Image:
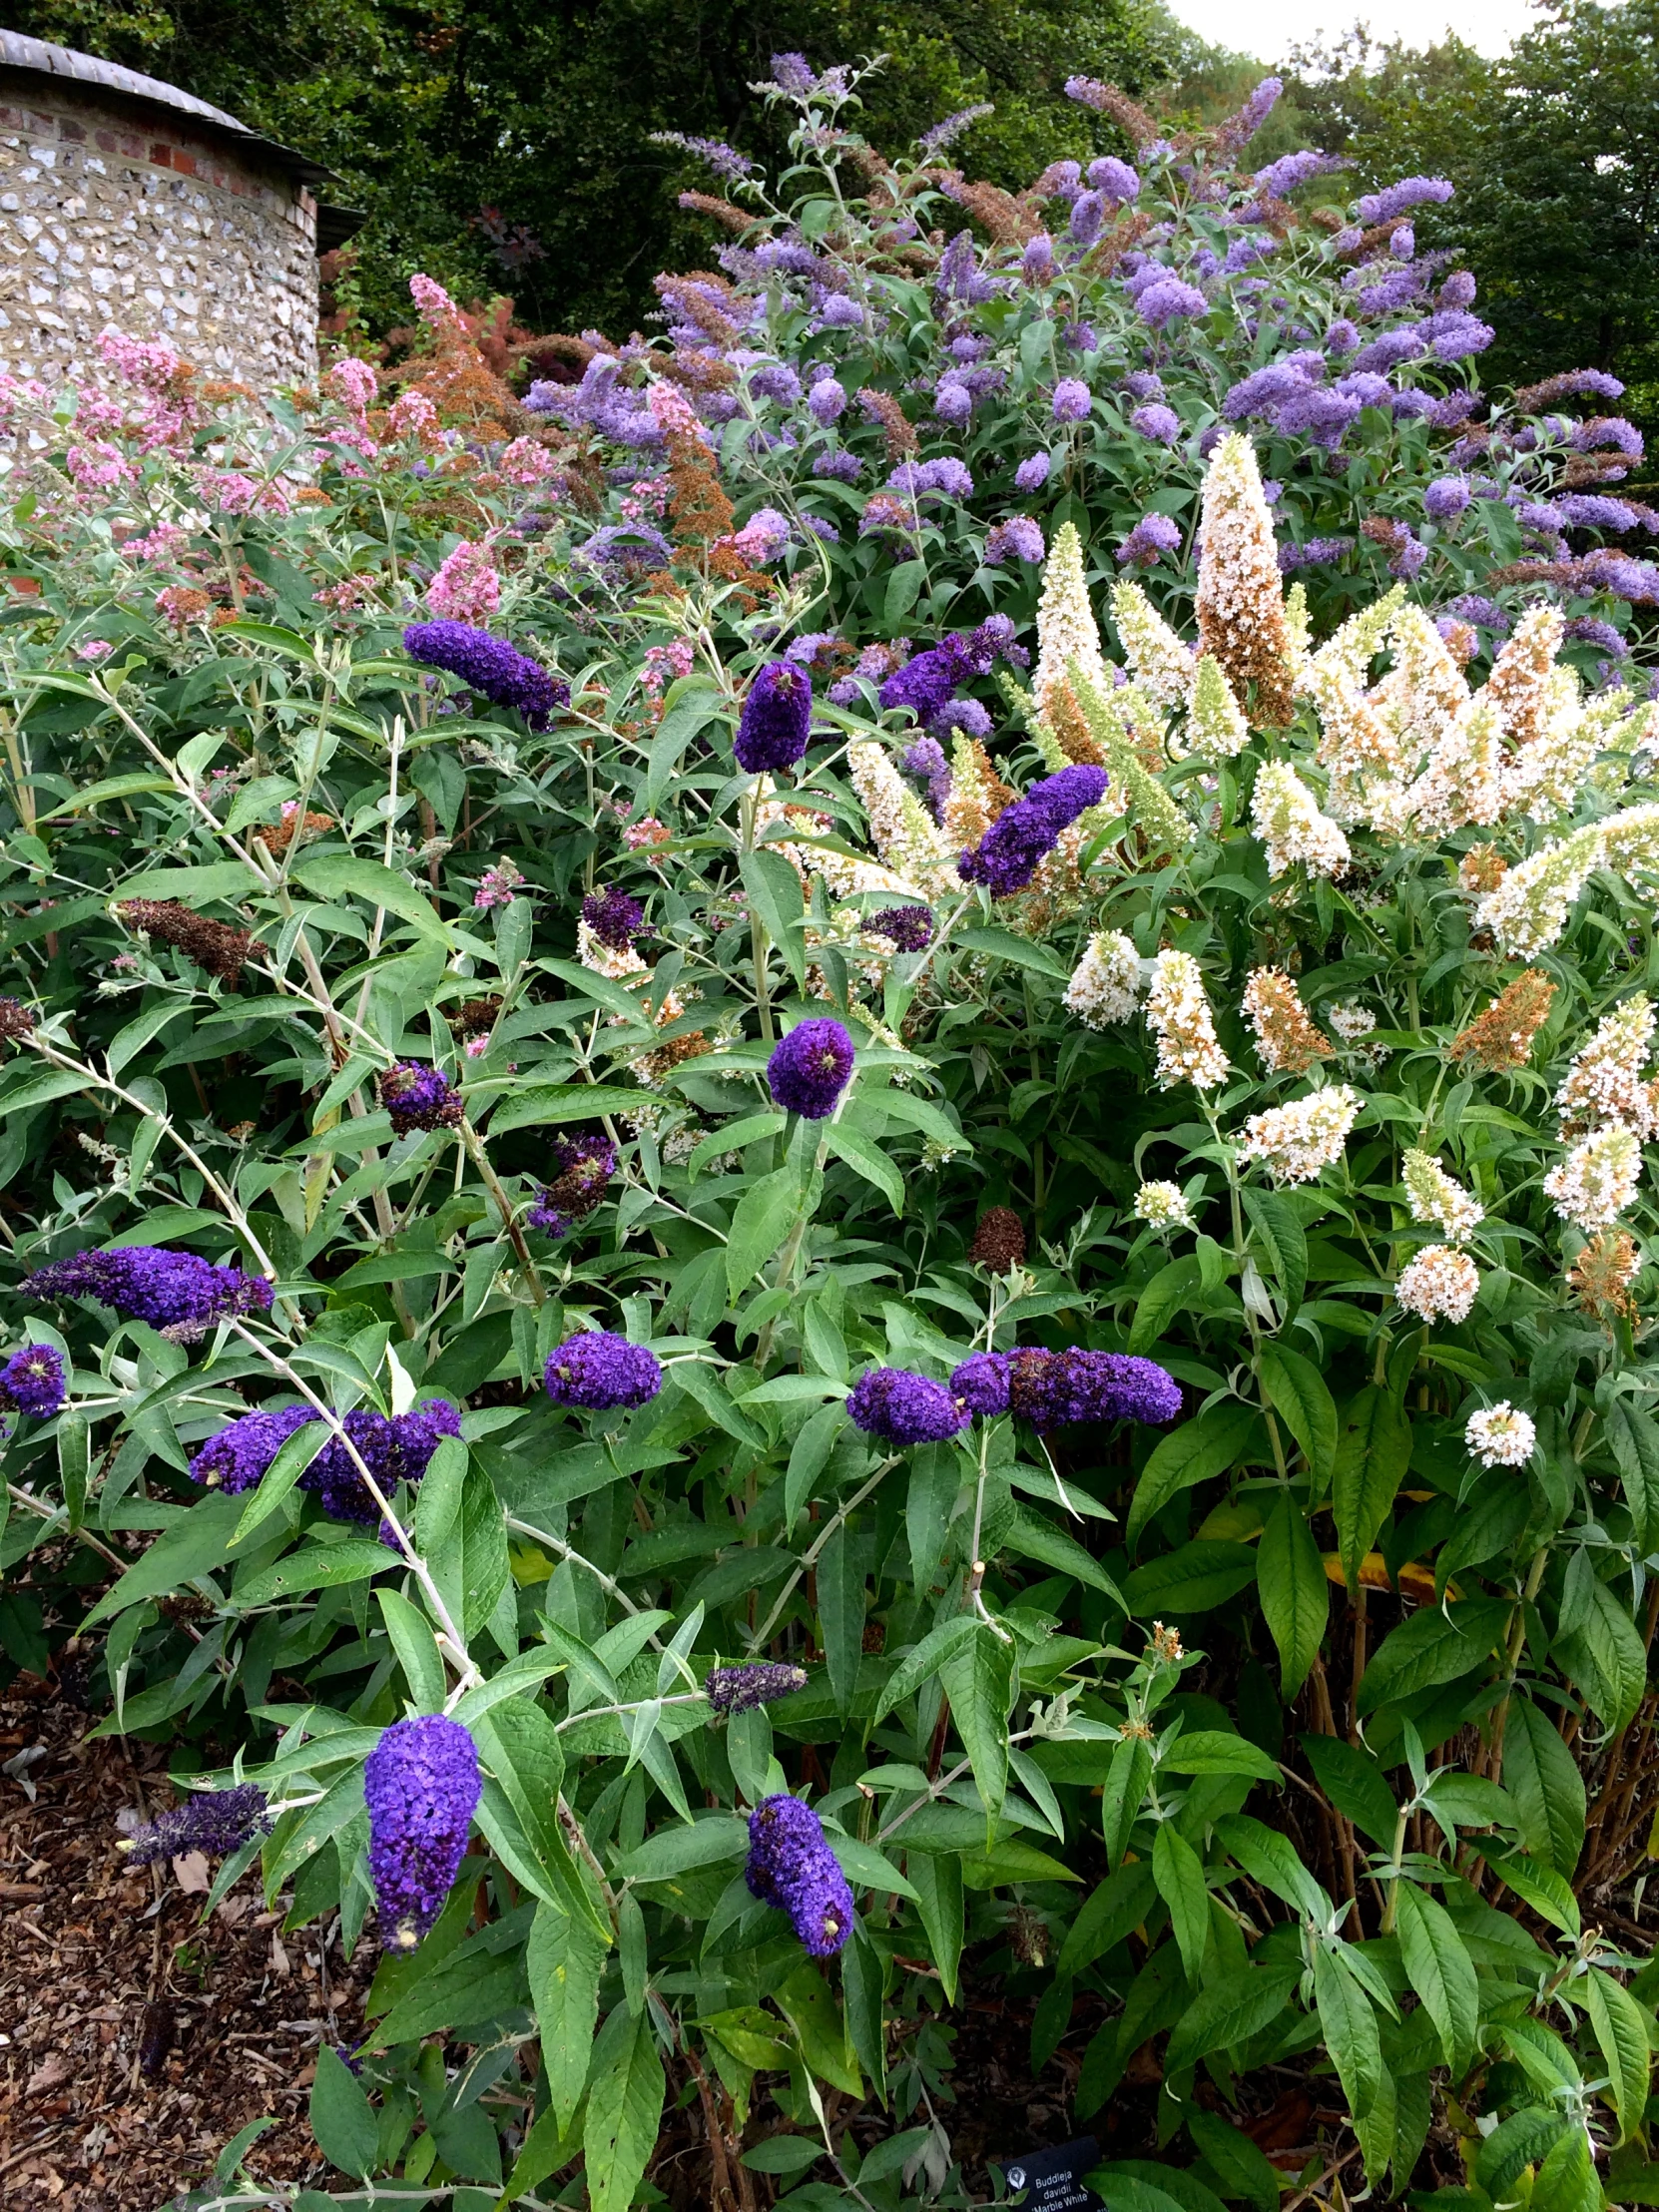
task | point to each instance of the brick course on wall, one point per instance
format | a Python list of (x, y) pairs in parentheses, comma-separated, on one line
[(108, 216)]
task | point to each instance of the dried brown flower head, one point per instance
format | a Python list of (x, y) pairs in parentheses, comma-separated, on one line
[(999, 1240), (1065, 718), (722, 211), (276, 836), (1286, 1038), (1502, 1037), (1481, 870), (213, 946), (1028, 1935), (16, 1021), (1005, 219), (473, 1016), (1601, 1276), (882, 407)]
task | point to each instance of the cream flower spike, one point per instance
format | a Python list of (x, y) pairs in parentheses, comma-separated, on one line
[(1241, 595), (1163, 667), (1066, 630)]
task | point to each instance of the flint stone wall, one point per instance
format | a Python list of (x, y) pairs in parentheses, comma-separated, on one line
[(113, 211)]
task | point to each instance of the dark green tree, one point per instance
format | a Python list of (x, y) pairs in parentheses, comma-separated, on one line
[(507, 147)]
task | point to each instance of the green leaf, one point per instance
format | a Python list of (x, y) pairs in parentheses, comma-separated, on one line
[(565, 1960), (342, 2120), (1228, 2011), (625, 2102), (195, 886), (1350, 2027), (763, 1219), (1621, 2030), (904, 587), (73, 1464), (1542, 1778), (1242, 2171), (1276, 1222), (1195, 1452), (334, 876), (112, 787), (1194, 1579), (840, 1605), (1114, 1910), (865, 1867), (317, 1567), (1354, 1784), (1034, 1536), (1566, 2181), (689, 706), (773, 891), (1633, 1437), (416, 1648), (1602, 1651), (979, 1682), (1548, 1892), (1179, 1874), (1524, 2139), (1298, 1395), (1296, 1598), (783, 2154), (938, 1646), (193, 1547), (546, 1104), (1123, 1794), (1215, 1751), (938, 1885), (290, 1462), (867, 1158), (808, 1456), (1431, 1648), (1168, 1294), (992, 943), (1442, 1972), (1373, 1453), (674, 1851), (1271, 1860)]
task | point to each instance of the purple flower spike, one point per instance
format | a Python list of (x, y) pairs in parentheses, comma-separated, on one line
[(582, 1165), (32, 1381), (1054, 1388), (175, 1292), (420, 1097), (489, 666), (1021, 837), (910, 927), (240, 1455), (394, 1448), (218, 1822), (1071, 400), (809, 1068), (600, 1370), (776, 719), (791, 1866), (981, 1383), (903, 1409), (742, 1689), (615, 918), (422, 1785)]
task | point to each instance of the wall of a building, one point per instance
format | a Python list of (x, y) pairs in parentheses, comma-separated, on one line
[(112, 213)]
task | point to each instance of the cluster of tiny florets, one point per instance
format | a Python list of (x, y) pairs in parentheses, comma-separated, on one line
[(792, 1867), (1598, 1180), (1437, 1198), (600, 1370), (1163, 1206), (175, 1292), (1286, 1038), (1296, 1142), (1178, 1008), (1500, 1436), (1438, 1285), (422, 1785), (1105, 985)]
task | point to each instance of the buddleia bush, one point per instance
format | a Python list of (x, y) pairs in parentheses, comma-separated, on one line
[(747, 1335)]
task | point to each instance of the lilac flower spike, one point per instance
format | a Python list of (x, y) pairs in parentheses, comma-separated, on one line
[(776, 719), (903, 1409), (809, 1068), (615, 918), (1014, 847), (32, 1380), (395, 1448), (600, 1370), (175, 1292), (791, 1866), (489, 666), (742, 1689), (422, 1785), (582, 1165), (1055, 1388), (910, 927)]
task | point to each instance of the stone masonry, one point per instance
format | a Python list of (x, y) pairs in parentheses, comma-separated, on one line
[(117, 212)]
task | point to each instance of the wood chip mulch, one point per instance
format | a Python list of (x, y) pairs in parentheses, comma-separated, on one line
[(134, 2043)]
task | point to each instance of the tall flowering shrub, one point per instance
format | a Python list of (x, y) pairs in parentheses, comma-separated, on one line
[(764, 1337)]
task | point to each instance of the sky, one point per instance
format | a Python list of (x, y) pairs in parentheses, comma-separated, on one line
[(1268, 28)]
